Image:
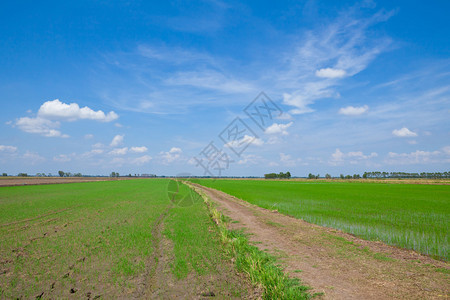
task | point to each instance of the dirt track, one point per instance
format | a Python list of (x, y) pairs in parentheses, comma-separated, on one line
[(337, 264)]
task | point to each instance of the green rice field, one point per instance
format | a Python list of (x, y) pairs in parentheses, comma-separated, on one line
[(103, 240), (413, 216)]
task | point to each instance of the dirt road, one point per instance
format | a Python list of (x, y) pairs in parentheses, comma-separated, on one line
[(339, 265)]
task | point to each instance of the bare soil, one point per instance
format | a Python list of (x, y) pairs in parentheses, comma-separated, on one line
[(339, 265)]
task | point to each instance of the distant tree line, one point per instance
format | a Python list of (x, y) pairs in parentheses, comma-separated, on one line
[(68, 174), (432, 175), (280, 175), (379, 175)]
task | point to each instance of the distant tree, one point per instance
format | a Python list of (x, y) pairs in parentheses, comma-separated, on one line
[(327, 176), (365, 175), (348, 177), (270, 176), (22, 175), (311, 176), (4, 174), (61, 173), (68, 174), (356, 176), (288, 174), (317, 176), (77, 175), (342, 176)]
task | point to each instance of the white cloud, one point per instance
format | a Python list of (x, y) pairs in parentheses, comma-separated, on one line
[(246, 139), (287, 160), (353, 111), (249, 159), (118, 125), (417, 157), (6, 148), (33, 158), (89, 136), (119, 151), (209, 79), (62, 158), (98, 145), (58, 110), (446, 150), (276, 128), (139, 149), (284, 116), (404, 132), (117, 140), (330, 73), (91, 153), (172, 155), (40, 126), (344, 45), (46, 122), (352, 157), (141, 160), (307, 95)]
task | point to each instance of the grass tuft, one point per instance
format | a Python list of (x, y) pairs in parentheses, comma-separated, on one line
[(259, 266)]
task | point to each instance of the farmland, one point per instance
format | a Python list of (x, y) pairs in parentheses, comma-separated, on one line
[(406, 215), (109, 239)]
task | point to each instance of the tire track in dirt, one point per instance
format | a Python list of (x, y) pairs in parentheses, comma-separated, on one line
[(339, 265), (149, 283), (39, 216)]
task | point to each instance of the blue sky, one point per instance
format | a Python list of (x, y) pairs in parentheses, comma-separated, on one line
[(156, 86)]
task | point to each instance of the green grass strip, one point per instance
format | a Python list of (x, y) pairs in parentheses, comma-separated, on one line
[(259, 266)]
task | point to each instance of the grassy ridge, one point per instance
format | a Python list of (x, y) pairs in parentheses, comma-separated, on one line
[(259, 266), (410, 216)]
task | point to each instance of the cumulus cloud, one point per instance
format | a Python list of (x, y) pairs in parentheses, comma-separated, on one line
[(404, 132), (5, 148), (58, 110), (172, 155), (40, 126), (49, 115), (276, 128), (33, 158), (141, 160), (119, 151), (287, 160), (416, 157), (249, 159), (353, 111), (139, 149), (117, 140), (330, 73), (245, 140), (352, 157)]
